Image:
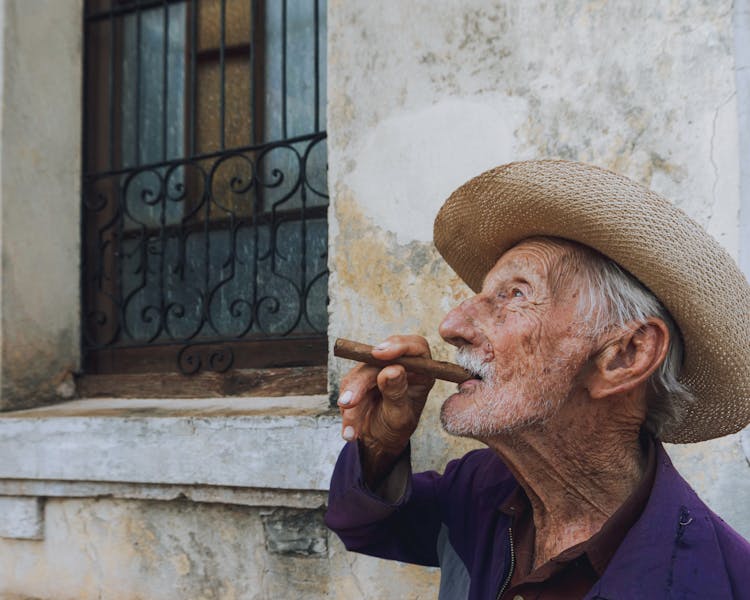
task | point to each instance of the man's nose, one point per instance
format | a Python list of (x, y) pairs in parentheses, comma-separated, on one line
[(457, 327)]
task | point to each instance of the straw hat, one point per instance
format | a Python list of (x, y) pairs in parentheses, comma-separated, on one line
[(693, 277)]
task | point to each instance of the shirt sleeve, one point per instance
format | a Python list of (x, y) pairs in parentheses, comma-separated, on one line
[(404, 528)]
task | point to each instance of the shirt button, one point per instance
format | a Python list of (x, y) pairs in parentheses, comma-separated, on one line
[(517, 597)]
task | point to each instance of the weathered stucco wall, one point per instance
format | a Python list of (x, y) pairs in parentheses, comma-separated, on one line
[(741, 13), (39, 200), (139, 550), (425, 94)]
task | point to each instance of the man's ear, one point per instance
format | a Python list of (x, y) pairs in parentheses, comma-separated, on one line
[(629, 360)]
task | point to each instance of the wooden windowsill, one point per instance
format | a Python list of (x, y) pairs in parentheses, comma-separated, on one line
[(207, 407), (289, 381)]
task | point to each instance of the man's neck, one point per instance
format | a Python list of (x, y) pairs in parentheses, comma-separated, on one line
[(575, 473)]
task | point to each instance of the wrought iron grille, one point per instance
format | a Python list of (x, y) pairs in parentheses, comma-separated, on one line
[(204, 187)]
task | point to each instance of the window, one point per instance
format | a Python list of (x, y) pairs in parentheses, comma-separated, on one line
[(204, 187)]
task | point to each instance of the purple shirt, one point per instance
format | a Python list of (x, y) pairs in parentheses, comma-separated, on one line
[(574, 571), (678, 548)]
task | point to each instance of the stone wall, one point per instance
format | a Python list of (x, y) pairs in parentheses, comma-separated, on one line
[(148, 550), (40, 143)]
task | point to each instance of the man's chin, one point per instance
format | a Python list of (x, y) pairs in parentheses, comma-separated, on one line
[(450, 428), (466, 421), (483, 420)]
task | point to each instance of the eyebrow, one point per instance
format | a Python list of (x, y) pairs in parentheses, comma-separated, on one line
[(528, 279), (517, 265)]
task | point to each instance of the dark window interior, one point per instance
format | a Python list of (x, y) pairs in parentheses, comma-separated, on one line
[(204, 188)]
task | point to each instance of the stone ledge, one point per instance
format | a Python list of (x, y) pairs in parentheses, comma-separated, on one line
[(258, 443), (257, 497)]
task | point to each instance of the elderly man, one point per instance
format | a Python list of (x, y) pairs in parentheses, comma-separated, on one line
[(604, 321)]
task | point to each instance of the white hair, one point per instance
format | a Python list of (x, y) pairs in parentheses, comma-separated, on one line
[(612, 297)]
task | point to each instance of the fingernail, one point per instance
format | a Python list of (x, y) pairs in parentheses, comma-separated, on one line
[(348, 434), (346, 397), (383, 346)]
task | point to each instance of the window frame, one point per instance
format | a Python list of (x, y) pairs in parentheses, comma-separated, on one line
[(252, 365)]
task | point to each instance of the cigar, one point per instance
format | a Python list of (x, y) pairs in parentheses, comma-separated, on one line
[(434, 368)]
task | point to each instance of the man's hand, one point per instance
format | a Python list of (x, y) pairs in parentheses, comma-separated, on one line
[(381, 407)]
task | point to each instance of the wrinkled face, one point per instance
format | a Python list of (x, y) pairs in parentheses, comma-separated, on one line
[(522, 337)]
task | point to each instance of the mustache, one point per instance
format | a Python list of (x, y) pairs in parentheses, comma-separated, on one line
[(470, 360)]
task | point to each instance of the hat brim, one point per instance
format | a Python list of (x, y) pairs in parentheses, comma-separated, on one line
[(691, 274)]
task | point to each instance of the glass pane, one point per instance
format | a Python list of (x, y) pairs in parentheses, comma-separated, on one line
[(236, 25), (153, 111), (145, 140), (237, 104), (291, 68)]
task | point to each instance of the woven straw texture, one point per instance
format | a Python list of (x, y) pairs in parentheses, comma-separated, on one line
[(694, 277)]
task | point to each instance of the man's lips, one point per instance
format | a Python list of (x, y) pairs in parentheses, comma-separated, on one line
[(469, 383)]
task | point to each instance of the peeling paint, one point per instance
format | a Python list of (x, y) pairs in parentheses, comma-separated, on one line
[(397, 282), (296, 533), (181, 564), (410, 162)]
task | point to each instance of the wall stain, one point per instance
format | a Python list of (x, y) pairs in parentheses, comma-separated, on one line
[(406, 285)]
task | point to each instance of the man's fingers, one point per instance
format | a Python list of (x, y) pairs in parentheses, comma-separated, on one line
[(350, 421), (357, 388), (402, 345), (356, 384), (368, 392), (393, 384)]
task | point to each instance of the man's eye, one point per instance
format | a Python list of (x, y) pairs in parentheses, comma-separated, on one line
[(516, 293)]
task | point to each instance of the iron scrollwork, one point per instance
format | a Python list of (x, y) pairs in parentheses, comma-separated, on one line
[(198, 357), (208, 250)]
